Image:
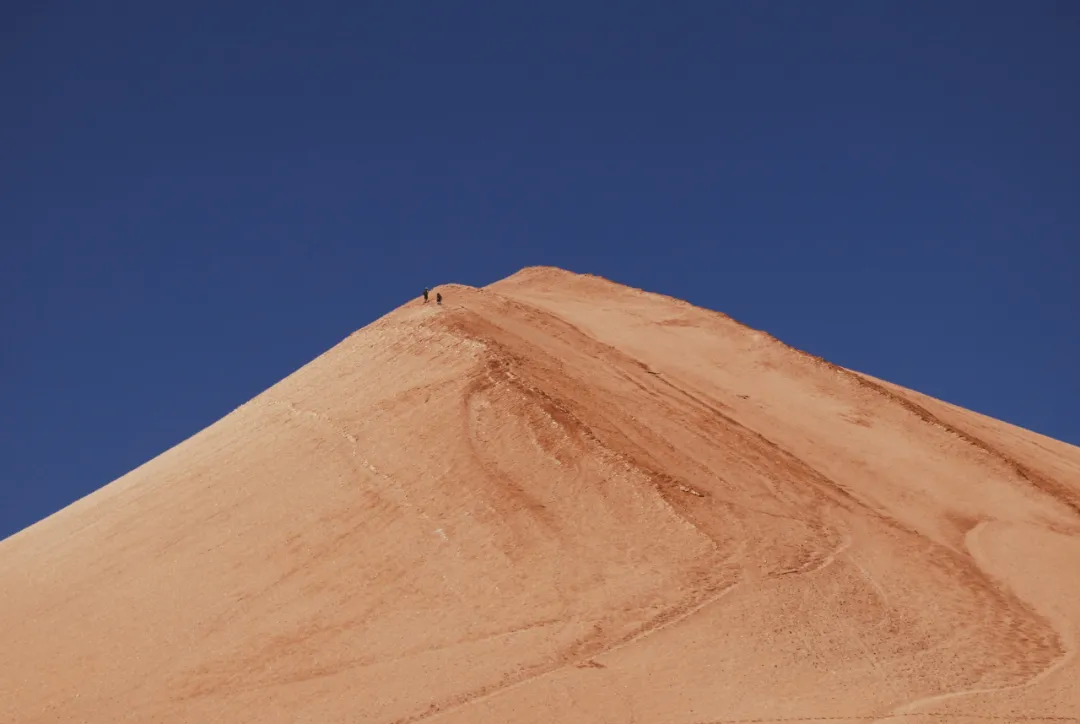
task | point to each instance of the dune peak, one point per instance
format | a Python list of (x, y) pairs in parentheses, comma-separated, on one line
[(561, 498)]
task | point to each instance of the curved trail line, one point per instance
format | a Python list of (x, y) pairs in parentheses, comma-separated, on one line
[(1068, 644), (667, 619), (658, 623)]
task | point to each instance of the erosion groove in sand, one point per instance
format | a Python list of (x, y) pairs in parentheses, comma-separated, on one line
[(557, 498)]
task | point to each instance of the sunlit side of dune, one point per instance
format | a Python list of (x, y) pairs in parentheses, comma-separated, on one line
[(560, 499)]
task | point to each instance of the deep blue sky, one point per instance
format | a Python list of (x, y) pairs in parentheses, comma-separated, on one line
[(196, 201)]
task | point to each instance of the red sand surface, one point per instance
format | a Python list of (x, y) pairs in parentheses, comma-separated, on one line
[(559, 499)]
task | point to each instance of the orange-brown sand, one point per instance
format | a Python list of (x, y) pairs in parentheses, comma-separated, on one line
[(559, 499)]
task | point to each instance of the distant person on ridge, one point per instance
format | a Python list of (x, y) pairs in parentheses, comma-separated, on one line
[(425, 295), (438, 298)]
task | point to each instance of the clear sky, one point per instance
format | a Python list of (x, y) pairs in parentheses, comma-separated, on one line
[(196, 200)]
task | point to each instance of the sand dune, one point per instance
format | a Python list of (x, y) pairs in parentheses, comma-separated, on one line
[(559, 499)]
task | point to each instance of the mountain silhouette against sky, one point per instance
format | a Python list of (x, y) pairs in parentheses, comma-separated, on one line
[(561, 499)]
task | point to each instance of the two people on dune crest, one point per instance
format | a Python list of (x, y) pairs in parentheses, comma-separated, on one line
[(438, 296)]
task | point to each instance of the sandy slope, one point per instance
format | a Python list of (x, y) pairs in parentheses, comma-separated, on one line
[(558, 499)]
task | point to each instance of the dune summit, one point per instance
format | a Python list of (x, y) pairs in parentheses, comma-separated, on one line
[(560, 499)]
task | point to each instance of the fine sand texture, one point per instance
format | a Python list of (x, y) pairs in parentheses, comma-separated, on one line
[(561, 499)]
